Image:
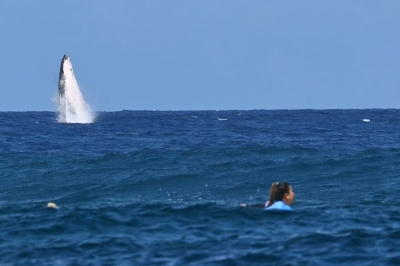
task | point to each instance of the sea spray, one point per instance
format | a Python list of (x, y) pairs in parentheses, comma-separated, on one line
[(72, 108)]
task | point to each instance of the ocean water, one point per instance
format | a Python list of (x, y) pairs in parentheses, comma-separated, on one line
[(164, 188)]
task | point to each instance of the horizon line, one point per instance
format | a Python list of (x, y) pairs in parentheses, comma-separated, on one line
[(214, 110)]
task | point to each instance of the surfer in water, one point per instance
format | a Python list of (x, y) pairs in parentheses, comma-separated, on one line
[(281, 197)]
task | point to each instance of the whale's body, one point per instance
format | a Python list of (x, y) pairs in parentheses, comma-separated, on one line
[(72, 106)]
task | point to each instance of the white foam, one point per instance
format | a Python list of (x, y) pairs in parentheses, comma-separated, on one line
[(72, 107), (222, 119), (366, 120)]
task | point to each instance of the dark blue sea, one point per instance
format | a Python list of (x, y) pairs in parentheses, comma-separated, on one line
[(164, 188)]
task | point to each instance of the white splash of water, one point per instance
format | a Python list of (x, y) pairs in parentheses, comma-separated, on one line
[(72, 108)]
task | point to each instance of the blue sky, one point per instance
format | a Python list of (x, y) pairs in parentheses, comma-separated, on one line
[(201, 55)]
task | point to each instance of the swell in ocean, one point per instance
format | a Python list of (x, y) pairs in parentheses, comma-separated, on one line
[(164, 188)]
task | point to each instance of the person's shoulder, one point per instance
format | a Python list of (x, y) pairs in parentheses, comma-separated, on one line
[(279, 205)]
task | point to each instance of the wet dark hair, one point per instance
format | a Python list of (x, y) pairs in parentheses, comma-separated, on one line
[(278, 191)]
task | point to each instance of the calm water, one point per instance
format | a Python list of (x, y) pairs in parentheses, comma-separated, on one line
[(163, 188)]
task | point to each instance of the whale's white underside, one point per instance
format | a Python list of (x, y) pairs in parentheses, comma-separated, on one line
[(72, 107)]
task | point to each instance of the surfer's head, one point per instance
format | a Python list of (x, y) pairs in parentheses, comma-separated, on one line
[(281, 191)]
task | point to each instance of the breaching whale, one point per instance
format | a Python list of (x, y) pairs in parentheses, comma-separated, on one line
[(72, 107)]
